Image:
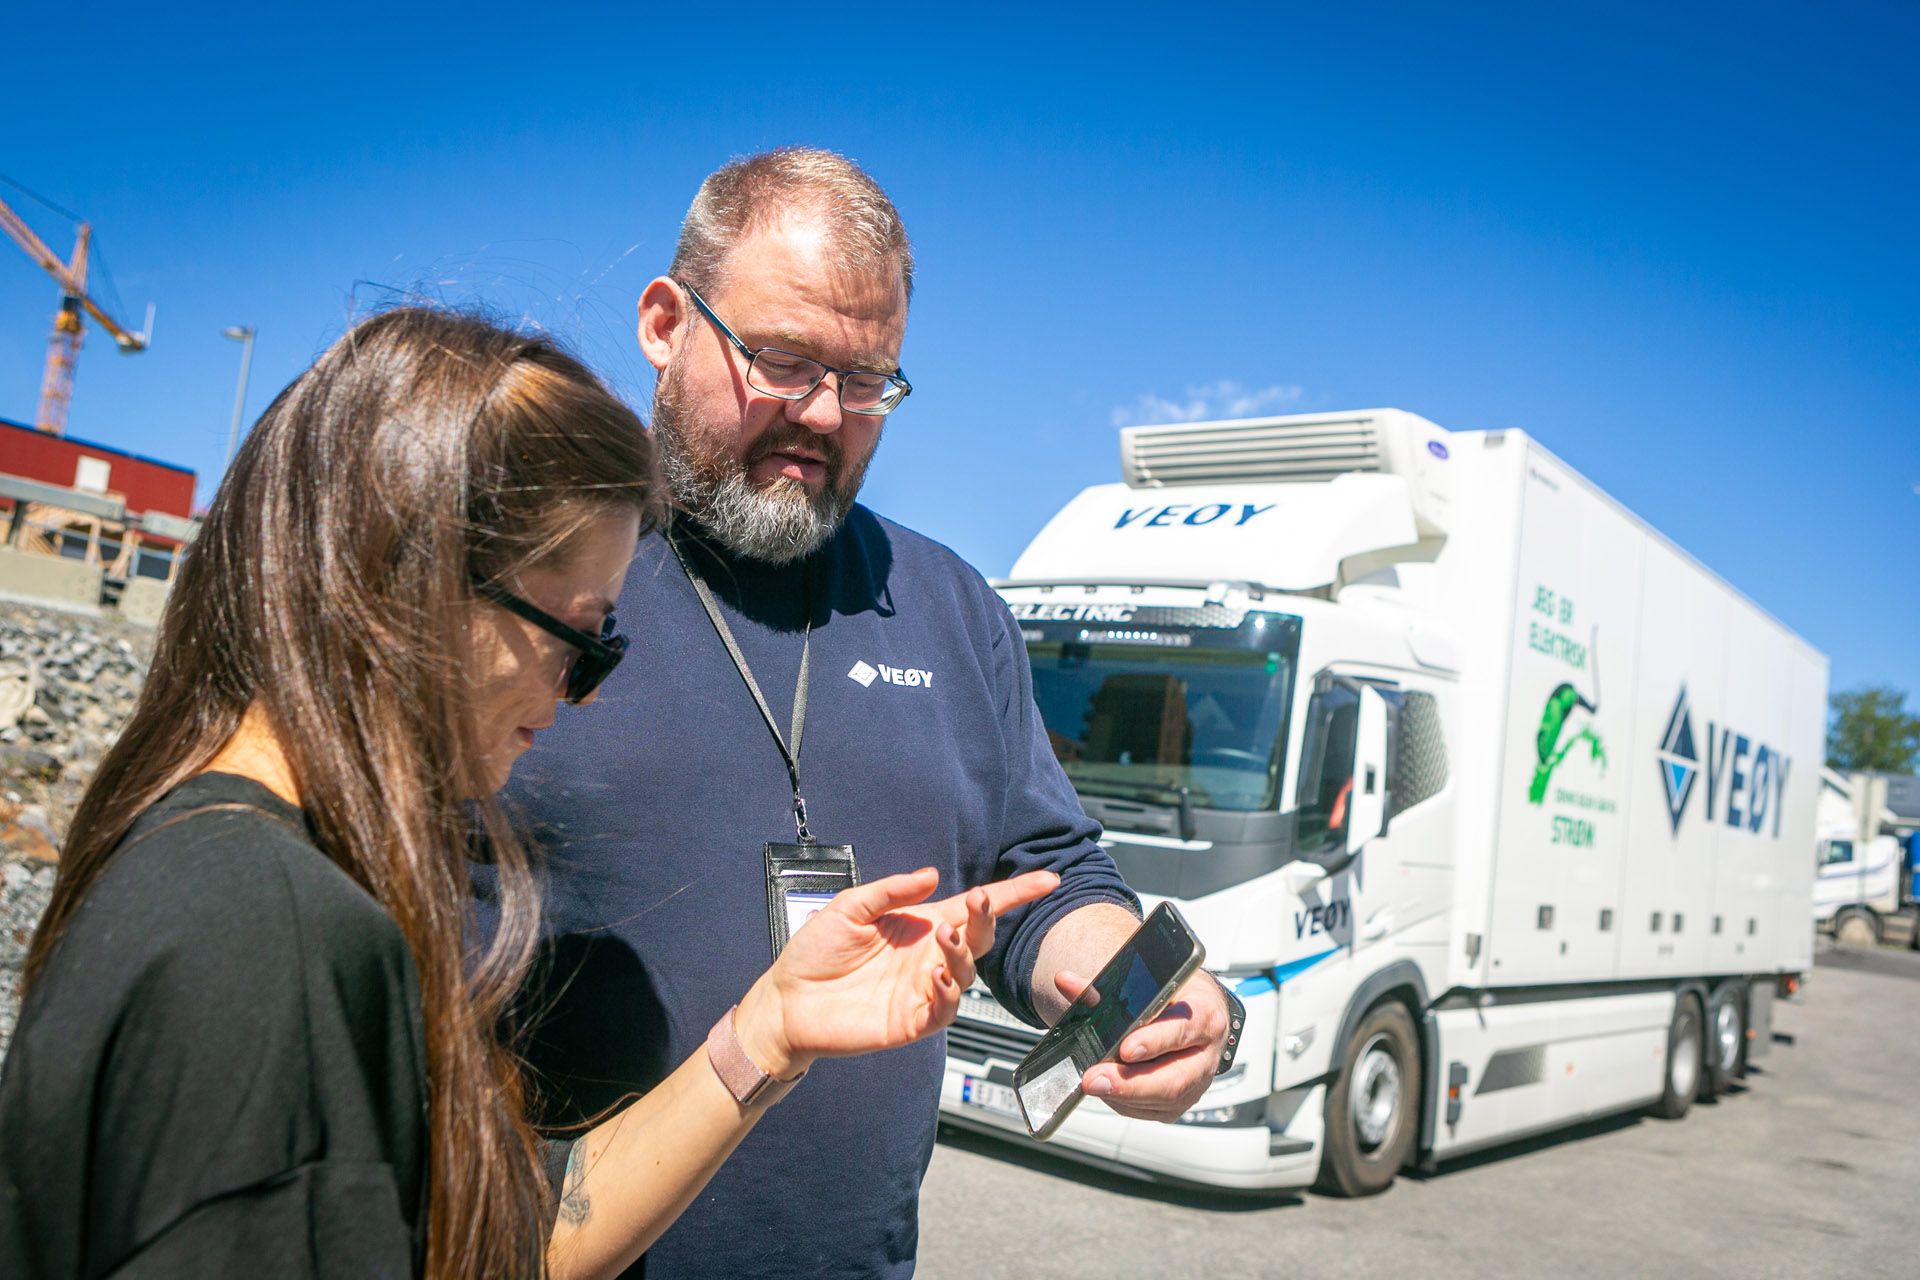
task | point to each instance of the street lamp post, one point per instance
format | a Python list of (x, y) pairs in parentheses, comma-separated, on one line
[(242, 334)]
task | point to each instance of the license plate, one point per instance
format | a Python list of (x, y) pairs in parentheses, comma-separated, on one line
[(988, 1096)]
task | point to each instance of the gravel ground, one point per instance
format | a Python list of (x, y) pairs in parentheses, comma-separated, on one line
[(66, 685), (25, 886)]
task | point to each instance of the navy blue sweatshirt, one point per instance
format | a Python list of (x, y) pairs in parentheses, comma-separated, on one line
[(922, 748)]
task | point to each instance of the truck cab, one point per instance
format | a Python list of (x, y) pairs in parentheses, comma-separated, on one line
[(1857, 883), (1243, 703)]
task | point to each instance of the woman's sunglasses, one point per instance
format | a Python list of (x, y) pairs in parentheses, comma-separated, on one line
[(597, 656)]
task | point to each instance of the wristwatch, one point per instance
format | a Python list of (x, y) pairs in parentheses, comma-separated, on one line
[(1236, 1021), (744, 1079)]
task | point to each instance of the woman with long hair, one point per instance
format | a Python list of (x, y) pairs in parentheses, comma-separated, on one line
[(257, 1039)]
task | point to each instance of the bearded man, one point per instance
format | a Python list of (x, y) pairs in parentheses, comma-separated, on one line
[(687, 828)]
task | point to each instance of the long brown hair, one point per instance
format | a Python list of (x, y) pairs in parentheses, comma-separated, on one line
[(329, 588)]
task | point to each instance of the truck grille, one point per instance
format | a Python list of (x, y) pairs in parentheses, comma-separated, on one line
[(985, 1029), (978, 1041)]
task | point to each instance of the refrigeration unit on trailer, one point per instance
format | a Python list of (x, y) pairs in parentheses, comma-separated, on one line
[(1492, 805)]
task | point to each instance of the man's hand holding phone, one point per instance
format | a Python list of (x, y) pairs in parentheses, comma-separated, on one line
[(1137, 1035), (1162, 1069)]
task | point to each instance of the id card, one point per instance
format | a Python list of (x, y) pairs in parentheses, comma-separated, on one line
[(802, 907), (801, 879)]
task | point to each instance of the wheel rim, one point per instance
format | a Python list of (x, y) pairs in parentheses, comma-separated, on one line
[(1684, 1070), (1726, 1034), (1374, 1098)]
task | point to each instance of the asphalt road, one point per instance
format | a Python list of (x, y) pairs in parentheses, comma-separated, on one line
[(1812, 1170)]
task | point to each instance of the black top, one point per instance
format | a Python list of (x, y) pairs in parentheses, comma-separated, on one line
[(221, 1071)]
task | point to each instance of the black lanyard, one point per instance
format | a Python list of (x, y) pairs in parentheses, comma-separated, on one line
[(790, 755)]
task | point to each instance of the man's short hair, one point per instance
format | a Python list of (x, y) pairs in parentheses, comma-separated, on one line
[(756, 191)]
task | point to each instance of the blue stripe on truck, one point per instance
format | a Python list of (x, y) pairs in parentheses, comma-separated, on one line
[(1265, 982)]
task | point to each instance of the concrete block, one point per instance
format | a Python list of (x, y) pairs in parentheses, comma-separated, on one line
[(53, 581), (142, 600)]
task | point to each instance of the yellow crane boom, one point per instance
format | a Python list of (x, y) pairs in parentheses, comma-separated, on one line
[(63, 349)]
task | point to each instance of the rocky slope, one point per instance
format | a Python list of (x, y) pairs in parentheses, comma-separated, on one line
[(66, 685)]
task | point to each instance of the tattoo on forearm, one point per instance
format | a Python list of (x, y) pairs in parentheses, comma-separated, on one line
[(574, 1204)]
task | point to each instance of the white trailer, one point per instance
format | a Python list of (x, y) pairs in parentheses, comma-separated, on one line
[(1492, 804)]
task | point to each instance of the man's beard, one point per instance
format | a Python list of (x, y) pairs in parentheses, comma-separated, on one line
[(779, 523)]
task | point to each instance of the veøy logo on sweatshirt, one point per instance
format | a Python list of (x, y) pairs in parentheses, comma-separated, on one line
[(864, 674), (1746, 779)]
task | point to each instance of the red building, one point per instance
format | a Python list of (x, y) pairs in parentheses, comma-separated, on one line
[(145, 484)]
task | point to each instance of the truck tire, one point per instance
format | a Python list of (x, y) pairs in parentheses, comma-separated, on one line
[(1857, 927), (1686, 1058), (1726, 1043), (1373, 1107)]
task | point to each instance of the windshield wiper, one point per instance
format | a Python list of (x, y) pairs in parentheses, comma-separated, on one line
[(1182, 798)]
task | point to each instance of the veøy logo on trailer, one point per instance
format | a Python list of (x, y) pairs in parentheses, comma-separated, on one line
[(1746, 779), (1679, 762)]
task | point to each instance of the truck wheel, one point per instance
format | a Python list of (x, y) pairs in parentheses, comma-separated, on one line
[(1857, 928), (1373, 1106), (1726, 1037), (1684, 1059)]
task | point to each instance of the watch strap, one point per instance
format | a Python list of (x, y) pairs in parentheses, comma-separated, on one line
[(749, 1085), (1236, 1024)]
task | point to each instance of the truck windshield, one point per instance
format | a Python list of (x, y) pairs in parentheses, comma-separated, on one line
[(1140, 723)]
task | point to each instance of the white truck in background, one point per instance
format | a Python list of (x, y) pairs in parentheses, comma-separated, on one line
[(1492, 804), (1857, 883)]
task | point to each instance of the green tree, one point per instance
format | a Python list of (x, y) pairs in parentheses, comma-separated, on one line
[(1869, 730)]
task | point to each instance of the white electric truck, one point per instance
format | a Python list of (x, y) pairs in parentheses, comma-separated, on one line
[(1492, 804)]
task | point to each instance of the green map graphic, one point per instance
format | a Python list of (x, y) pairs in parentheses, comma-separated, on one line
[(1561, 704)]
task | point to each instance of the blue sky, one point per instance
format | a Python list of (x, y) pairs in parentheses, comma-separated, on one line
[(1674, 243)]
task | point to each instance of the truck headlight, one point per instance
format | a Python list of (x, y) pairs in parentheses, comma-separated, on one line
[(1237, 1115)]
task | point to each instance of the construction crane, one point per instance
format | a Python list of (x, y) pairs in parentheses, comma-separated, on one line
[(63, 350)]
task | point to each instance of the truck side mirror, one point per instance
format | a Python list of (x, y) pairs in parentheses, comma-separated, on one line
[(1367, 809)]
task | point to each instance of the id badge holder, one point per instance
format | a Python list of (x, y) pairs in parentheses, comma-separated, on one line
[(801, 879)]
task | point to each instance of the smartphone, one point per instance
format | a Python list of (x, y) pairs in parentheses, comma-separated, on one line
[(1130, 992)]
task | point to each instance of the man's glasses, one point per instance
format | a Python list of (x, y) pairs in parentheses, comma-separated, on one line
[(774, 372), (597, 656)]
